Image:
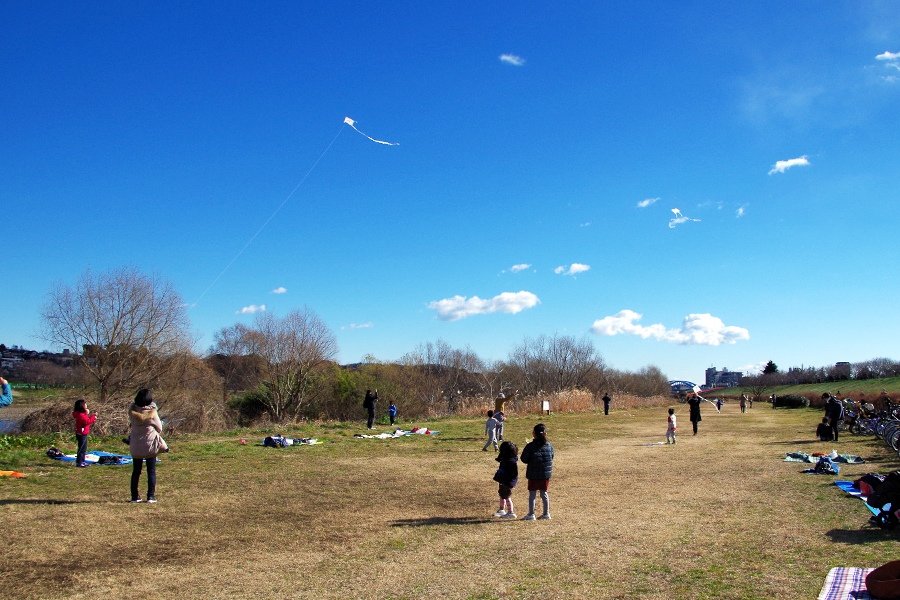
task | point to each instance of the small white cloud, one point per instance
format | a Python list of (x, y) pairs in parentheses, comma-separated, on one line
[(740, 211), (888, 56), (574, 269), (756, 369), (279, 290), (679, 219), (696, 329), (585, 224), (891, 78), (893, 65), (783, 165), (647, 202), (459, 307), (355, 326), (249, 310), (512, 59), (517, 268)]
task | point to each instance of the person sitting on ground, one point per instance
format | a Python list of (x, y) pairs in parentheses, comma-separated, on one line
[(5, 393), (823, 431)]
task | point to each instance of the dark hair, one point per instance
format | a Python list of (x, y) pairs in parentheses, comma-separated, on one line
[(507, 450), (80, 406), (825, 395), (144, 398), (671, 411), (540, 434), (490, 413)]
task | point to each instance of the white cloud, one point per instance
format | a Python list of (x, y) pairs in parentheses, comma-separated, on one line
[(696, 329), (459, 307), (575, 269), (355, 326), (279, 290), (891, 78), (783, 165), (512, 59), (679, 219), (894, 65), (517, 268), (756, 369), (740, 211), (585, 224), (888, 56), (249, 310), (647, 202)]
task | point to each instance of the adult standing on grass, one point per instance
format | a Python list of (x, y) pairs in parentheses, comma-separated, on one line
[(500, 409), (835, 411), (5, 393), (369, 404), (83, 421), (694, 402), (538, 455), (606, 401), (743, 403), (145, 443)]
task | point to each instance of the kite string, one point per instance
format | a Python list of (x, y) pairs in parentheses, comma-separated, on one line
[(270, 217)]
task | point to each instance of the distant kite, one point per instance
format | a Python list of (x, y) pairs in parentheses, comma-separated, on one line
[(679, 218), (351, 122)]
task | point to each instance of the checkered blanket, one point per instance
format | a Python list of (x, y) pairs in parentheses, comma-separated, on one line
[(846, 583)]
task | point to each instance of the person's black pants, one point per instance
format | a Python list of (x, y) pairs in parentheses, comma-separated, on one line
[(81, 440), (606, 409), (371, 418), (694, 423), (136, 477)]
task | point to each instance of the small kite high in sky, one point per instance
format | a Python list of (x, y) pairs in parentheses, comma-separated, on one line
[(351, 122), (679, 218)]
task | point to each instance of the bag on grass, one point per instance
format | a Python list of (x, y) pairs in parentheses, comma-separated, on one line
[(54, 453)]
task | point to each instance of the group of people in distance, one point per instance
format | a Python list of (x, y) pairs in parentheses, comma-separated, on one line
[(144, 442)]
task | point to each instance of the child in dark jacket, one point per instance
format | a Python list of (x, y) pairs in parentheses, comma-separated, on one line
[(507, 476), (823, 431), (83, 421), (538, 455)]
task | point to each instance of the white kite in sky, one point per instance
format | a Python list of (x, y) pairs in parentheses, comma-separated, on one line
[(351, 122), (679, 218)]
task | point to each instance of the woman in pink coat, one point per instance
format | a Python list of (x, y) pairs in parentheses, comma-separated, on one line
[(146, 442)]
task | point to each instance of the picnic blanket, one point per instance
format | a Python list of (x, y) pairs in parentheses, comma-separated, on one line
[(11, 474), (279, 441), (396, 434), (834, 456), (846, 583), (93, 457), (847, 486)]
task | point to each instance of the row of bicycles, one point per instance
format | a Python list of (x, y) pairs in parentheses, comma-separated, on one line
[(863, 419)]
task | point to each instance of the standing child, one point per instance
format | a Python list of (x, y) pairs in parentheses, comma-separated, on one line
[(392, 411), (500, 420), (538, 455), (670, 432), (490, 429), (83, 421), (507, 476)]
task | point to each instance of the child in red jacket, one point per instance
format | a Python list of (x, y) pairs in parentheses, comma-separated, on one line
[(83, 421)]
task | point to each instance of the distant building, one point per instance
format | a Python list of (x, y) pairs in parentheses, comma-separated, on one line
[(723, 378)]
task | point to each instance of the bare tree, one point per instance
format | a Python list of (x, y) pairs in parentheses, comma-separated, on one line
[(291, 349), (125, 323)]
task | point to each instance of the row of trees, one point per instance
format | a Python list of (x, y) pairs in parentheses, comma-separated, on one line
[(133, 332), (771, 376)]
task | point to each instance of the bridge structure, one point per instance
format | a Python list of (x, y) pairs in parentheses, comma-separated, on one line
[(680, 385)]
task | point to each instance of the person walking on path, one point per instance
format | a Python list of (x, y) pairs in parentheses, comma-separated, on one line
[(490, 429), (670, 430), (145, 443), (392, 412), (694, 403), (83, 421), (538, 455), (507, 476), (606, 401), (743, 403), (369, 404), (5, 393)]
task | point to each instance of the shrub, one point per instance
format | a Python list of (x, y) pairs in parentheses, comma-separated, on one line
[(792, 401)]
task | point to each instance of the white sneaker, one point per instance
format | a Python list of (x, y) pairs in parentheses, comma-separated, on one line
[(499, 513), (508, 516), (544, 517), (528, 517)]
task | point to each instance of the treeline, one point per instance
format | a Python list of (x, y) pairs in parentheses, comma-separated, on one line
[(876, 368)]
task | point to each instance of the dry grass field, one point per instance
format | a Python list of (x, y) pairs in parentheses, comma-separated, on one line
[(719, 515)]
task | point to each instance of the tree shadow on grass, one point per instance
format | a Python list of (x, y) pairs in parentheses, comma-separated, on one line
[(441, 521), (794, 442), (48, 501), (860, 536)]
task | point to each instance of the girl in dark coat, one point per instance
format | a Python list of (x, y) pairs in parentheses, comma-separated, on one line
[(538, 455), (694, 403)]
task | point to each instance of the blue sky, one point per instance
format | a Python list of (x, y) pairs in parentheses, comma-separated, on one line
[(541, 152)]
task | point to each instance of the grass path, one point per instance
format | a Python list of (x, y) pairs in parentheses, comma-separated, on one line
[(717, 516)]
